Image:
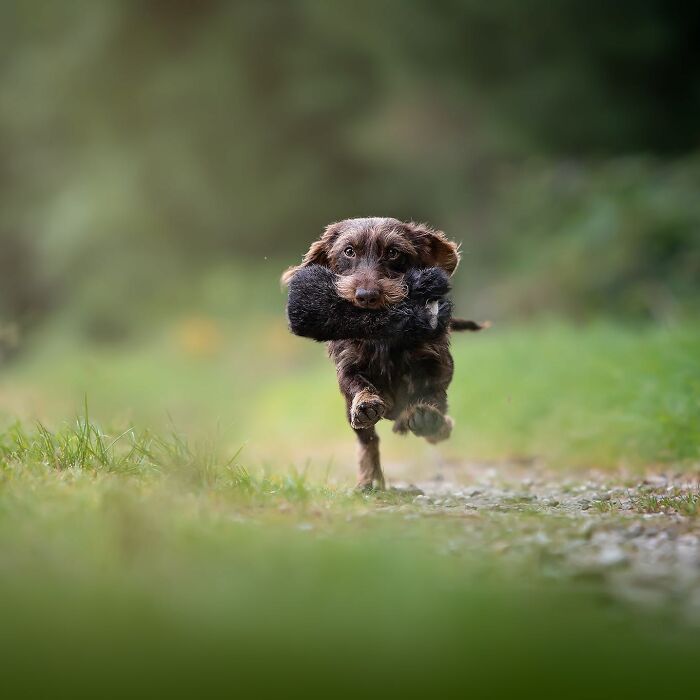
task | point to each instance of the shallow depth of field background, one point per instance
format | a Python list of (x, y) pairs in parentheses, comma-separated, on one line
[(161, 163)]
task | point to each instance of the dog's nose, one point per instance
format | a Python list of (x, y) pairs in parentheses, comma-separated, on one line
[(366, 296)]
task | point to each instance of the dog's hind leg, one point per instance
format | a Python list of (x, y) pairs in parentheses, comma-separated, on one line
[(425, 420), (426, 416), (370, 474)]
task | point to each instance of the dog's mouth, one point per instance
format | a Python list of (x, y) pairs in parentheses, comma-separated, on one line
[(377, 295)]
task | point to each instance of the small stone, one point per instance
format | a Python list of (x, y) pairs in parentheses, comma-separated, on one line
[(611, 556), (655, 480), (688, 540), (408, 490), (634, 531), (421, 500)]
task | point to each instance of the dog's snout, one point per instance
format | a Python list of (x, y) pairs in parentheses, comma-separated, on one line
[(367, 296)]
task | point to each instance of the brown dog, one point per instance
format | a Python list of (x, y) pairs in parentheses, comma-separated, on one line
[(372, 261)]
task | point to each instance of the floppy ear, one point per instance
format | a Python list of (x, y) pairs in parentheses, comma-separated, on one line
[(317, 254), (434, 247)]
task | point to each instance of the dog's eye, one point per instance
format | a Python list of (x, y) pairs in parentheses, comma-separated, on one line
[(349, 252), (393, 254)]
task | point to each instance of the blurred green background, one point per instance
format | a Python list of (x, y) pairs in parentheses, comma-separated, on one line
[(162, 162)]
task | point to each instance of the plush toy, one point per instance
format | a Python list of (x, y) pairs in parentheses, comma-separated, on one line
[(315, 310)]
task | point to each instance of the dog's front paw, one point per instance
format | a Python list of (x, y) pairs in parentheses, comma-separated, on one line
[(371, 485), (366, 410)]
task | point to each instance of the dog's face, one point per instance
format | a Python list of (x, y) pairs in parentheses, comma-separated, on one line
[(370, 257)]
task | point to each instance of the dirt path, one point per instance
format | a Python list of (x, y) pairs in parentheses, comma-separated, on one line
[(638, 536)]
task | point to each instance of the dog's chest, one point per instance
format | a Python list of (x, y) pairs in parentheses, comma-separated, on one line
[(387, 367)]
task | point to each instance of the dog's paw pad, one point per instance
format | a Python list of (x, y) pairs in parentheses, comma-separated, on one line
[(443, 433), (366, 411), (425, 421)]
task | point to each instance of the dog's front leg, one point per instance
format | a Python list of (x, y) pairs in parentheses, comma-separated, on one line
[(364, 405), (369, 469), (364, 408)]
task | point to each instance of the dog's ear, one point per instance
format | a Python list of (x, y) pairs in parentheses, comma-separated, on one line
[(317, 254), (434, 248)]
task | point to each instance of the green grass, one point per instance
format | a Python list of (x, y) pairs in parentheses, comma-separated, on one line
[(674, 502), (687, 504), (138, 563), (592, 396), (598, 395), (165, 561)]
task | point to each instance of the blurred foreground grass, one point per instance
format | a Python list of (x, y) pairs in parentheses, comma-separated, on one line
[(140, 564), (146, 562)]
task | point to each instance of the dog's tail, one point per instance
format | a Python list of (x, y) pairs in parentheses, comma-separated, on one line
[(459, 324)]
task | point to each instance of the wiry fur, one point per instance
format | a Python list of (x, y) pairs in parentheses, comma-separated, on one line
[(376, 290)]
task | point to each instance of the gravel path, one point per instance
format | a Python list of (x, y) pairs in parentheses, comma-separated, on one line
[(640, 537)]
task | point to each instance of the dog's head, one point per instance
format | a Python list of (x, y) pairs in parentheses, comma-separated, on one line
[(370, 257)]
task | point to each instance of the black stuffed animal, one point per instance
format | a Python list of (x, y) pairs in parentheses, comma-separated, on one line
[(315, 310)]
